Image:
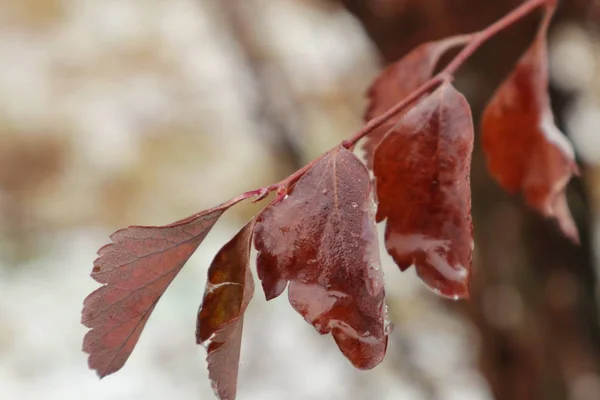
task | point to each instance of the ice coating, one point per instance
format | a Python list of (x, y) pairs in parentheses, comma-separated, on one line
[(554, 135), (422, 170), (212, 287), (314, 302), (388, 325), (433, 252), (373, 273), (322, 239)]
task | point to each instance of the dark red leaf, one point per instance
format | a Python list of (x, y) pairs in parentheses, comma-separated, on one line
[(422, 174), (323, 240), (525, 150), (398, 81), (135, 269), (220, 319)]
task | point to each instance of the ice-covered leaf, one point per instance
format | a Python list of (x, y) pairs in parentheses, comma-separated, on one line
[(525, 150), (422, 173), (322, 239), (228, 291), (135, 269), (399, 80)]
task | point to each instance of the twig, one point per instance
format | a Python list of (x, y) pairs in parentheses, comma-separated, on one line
[(472, 43)]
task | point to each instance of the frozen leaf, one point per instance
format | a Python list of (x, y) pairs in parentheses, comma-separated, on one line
[(422, 174), (398, 81), (135, 269), (525, 150), (322, 239), (221, 316)]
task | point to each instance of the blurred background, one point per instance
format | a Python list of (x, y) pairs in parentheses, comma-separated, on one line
[(120, 112)]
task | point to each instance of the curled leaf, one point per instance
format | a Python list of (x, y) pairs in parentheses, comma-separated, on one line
[(422, 173), (135, 269), (229, 289), (525, 150), (398, 81), (323, 240)]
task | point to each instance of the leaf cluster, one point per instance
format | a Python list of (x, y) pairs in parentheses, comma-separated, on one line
[(318, 236)]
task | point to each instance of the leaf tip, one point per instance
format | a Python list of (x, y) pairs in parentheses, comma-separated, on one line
[(100, 375)]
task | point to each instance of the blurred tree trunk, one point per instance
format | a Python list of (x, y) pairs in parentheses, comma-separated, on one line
[(275, 105), (533, 292)]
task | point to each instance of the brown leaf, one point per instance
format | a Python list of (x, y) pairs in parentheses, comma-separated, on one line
[(398, 81), (135, 269), (229, 289), (525, 150), (323, 240), (422, 174)]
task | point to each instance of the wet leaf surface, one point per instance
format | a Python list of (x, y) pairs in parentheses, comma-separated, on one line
[(322, 239), (422, 172)]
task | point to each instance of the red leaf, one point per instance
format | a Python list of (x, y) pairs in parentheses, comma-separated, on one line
[(135, 269), (525, 150), (398, 81), (220, 319), (322, 238), (422, 174)]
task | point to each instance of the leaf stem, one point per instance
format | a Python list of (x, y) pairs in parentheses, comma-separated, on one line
[(243, 196), (478, 38), (382, 119), (290, 180)]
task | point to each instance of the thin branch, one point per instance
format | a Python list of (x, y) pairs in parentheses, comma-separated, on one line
[(472, 43), (475, 41)]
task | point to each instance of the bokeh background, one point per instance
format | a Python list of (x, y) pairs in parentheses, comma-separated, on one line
[(119, 112)]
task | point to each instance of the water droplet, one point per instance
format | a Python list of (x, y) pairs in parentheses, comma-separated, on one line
[(388, 327), (374, 279), (324, 191), (215, 388), (354, 204)]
